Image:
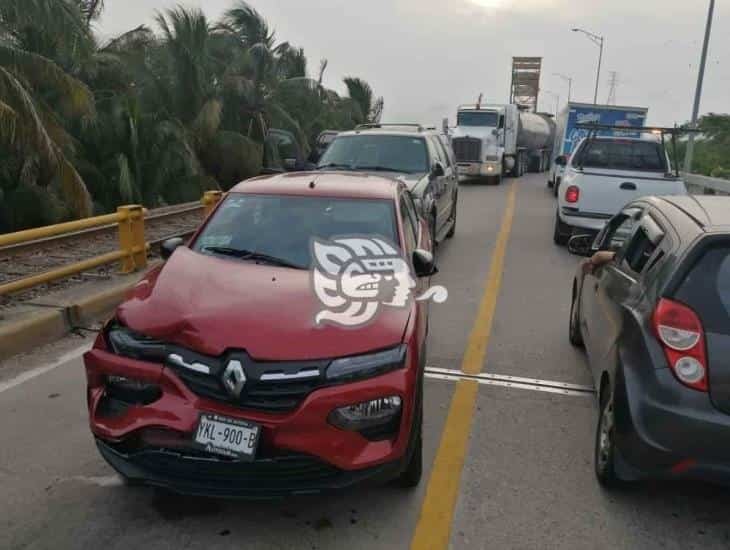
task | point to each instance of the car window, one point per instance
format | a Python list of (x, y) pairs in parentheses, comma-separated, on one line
[(412, 214), (622, 155), (707, 288), (639, 250), (284, 226), (408, 228), (408, 154), (444, 152), (488, 119), (619, 230)]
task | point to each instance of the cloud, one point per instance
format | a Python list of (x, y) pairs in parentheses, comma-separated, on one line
[(427, 56)]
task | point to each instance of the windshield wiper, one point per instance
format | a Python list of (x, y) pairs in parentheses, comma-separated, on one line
[(383, 169), (252, 255), (334, 165)]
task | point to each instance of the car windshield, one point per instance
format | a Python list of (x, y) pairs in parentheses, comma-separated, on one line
[(478, 118), (377, 152), (281, 227), (622, 155)]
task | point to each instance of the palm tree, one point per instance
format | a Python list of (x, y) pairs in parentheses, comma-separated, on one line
[(361, 92), (40, 96)]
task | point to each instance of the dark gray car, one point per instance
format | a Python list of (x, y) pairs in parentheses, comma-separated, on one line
[(416, 156), (655, 322)]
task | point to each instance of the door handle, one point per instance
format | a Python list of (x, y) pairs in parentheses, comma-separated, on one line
[(628, 186)]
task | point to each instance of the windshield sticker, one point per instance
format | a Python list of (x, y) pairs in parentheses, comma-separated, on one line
[(354, 277)]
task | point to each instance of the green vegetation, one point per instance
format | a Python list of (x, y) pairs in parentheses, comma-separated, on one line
[(155, 116), (712, 148)]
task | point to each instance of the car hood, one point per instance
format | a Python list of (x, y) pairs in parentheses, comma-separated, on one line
[(211, 304)]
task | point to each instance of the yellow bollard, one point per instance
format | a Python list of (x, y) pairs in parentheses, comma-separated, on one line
[(210, 200), (131, 237)]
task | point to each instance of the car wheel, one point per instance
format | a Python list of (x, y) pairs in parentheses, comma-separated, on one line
[(550, 183), (556, 187), (605, 452), (576, 337), (452, 231), (561, 232)]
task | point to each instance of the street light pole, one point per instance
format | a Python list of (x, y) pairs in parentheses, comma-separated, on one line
[(689, 156), (598, 41), (569, 80)]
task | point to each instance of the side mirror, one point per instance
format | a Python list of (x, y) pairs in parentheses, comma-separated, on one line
[(438, 170), (562, 160), (581, 245), (169, 246), (495, 132), (423, 263)]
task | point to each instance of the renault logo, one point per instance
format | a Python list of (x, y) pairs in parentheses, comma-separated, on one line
[(234, 378)]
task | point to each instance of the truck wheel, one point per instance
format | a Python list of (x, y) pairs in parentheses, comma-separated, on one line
[(561, 232)]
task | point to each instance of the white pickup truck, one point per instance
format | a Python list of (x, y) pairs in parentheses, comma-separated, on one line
[(604, 174)]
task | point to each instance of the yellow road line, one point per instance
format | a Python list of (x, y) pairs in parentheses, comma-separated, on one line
[(434, 525)]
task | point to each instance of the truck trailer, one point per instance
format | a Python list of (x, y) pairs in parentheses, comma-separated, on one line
[(491, 141), (569, 135)]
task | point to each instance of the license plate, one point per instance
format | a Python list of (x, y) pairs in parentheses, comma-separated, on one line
[(227, 436)]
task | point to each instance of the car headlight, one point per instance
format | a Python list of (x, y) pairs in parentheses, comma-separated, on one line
[(128, 343), (366, 366)]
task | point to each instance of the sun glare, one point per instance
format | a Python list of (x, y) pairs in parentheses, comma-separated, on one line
[(490, 3)]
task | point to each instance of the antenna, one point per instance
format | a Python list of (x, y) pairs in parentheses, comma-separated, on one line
[(613, 84), (479, 101)]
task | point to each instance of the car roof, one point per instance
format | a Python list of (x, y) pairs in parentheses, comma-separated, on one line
[(709, 212), (392, 131), (348, 185)]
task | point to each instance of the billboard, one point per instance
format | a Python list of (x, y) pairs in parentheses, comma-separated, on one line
[(597, 114)]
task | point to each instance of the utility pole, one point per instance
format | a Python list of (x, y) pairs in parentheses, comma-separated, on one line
[(689, 156), (613, 84), (598, 41), (569, 80)]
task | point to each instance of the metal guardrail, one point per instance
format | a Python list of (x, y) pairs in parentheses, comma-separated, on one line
[(704, 185), (133, 246)]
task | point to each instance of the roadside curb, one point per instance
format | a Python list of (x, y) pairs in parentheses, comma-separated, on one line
[(55, 322)]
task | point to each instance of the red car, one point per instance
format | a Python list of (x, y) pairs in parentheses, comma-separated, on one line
[(217, 376)]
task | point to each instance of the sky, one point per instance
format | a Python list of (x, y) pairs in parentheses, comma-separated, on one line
[(425, 57)]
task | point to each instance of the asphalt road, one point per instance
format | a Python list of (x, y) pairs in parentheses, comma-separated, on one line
[(508, 466)]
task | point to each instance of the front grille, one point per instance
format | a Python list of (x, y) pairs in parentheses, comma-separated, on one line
[(278, 396), (467, 149), (259, 474)]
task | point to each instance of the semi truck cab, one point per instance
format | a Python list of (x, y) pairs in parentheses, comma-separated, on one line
[(479, 140)]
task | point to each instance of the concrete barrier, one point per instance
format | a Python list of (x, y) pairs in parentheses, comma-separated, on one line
[(704, 185)]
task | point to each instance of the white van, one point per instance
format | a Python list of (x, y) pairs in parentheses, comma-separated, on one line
[(603, 175)]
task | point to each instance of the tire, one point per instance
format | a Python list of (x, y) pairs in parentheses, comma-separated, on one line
[(604, 449), (411, 476), (556, 187), (574, 333), (551, 183), (561, 232), (452, 231)]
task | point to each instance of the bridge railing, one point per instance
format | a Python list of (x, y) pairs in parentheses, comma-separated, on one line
[(132, 252), (704, 185)]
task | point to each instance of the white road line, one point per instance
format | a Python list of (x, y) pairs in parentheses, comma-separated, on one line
[(35, 373), (506, 384), (518, 379)]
